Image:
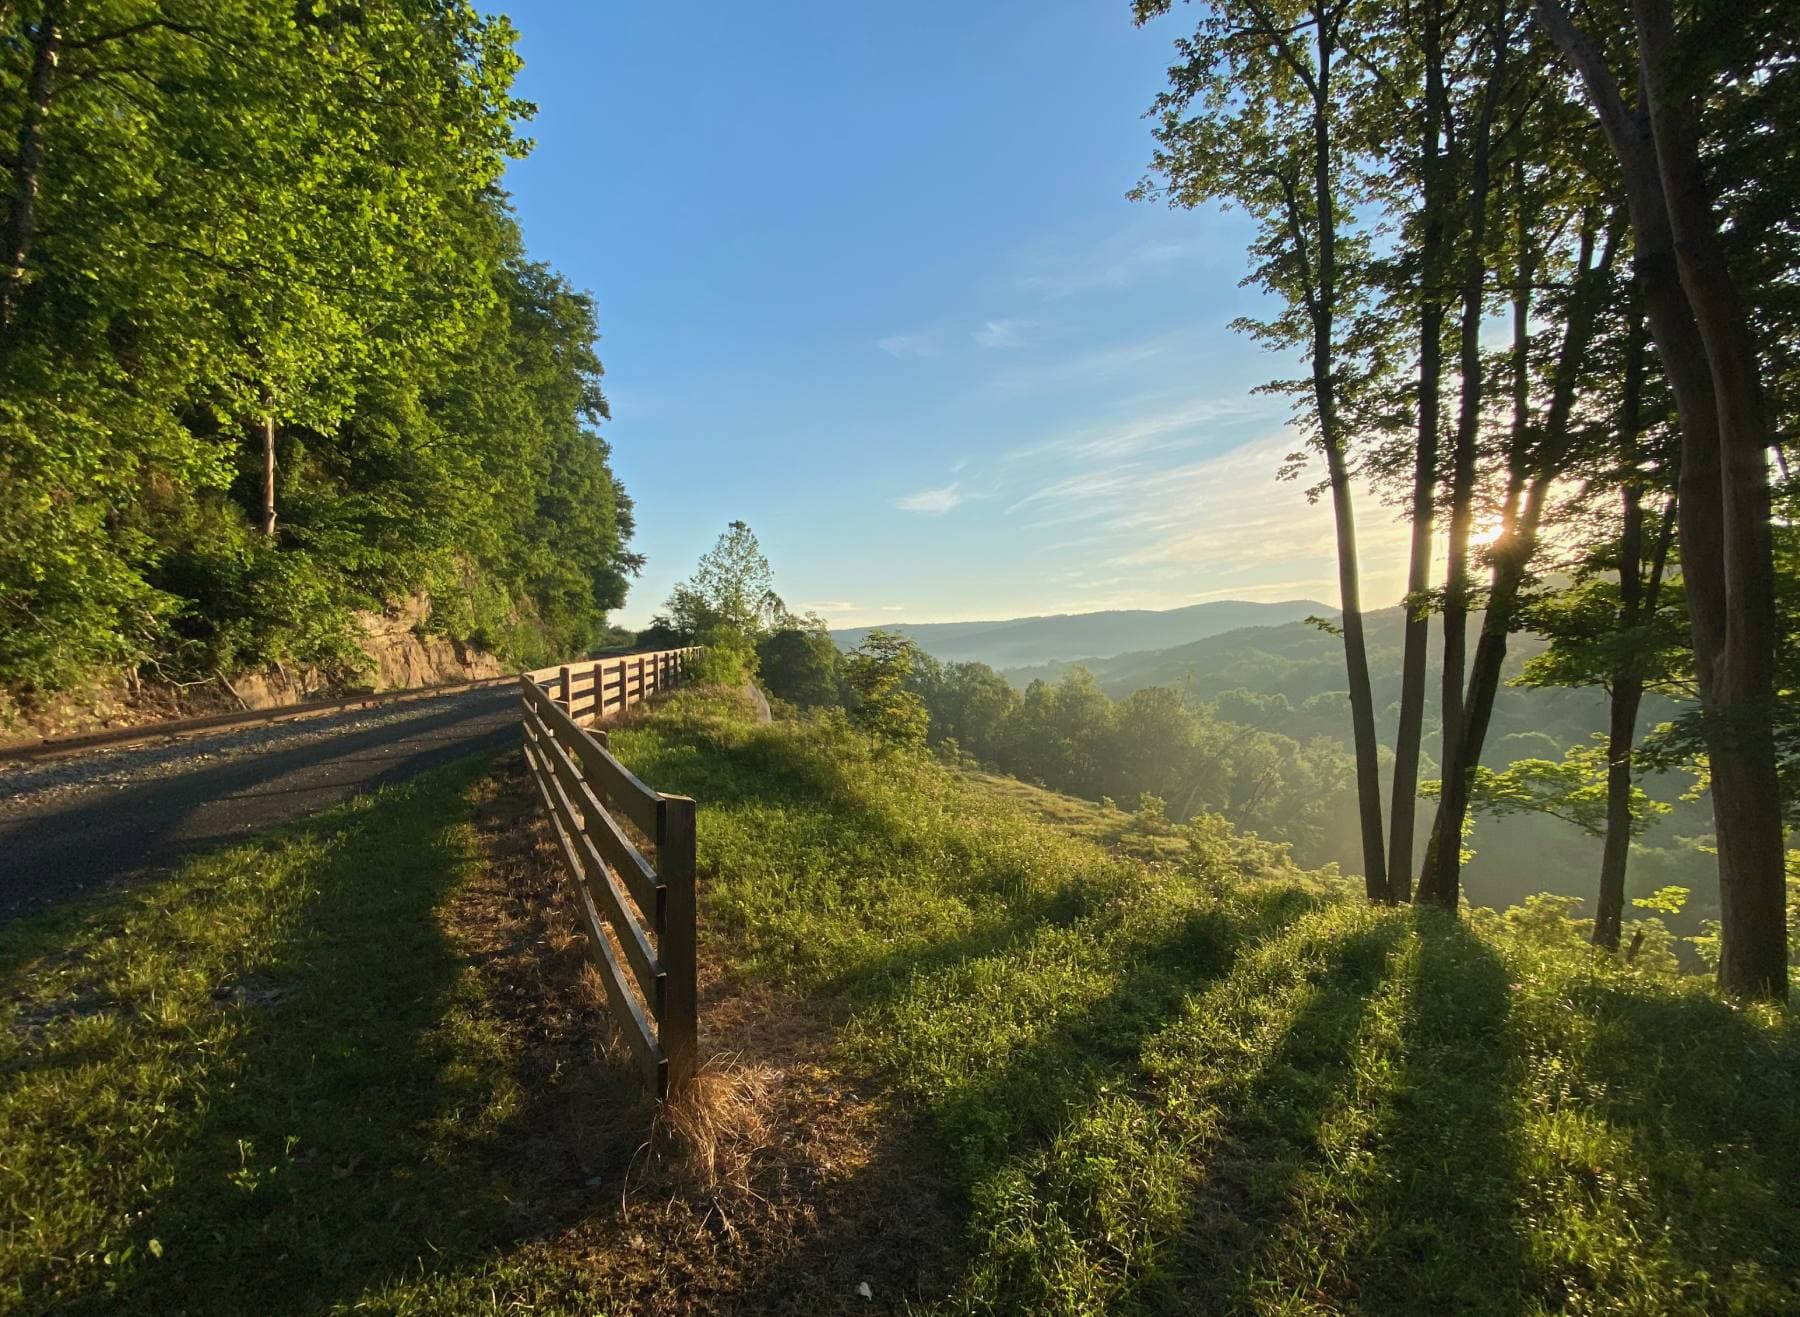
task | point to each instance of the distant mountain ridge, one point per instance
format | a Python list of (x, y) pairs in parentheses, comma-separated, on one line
[(1060, 637)]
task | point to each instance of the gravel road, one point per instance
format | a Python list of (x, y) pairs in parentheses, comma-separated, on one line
[(70, 827)]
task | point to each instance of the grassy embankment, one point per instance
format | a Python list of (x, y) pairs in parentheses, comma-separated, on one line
[(1147, 1087)]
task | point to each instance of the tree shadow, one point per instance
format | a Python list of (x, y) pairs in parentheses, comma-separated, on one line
[(1694, 1100), (1445, 1227), (1008, 1110), (370, 1121)]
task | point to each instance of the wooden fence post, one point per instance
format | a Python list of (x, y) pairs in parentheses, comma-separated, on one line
[(676, 941), (567, 690)]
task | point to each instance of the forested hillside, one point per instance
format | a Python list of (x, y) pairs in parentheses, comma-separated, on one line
[(272, 349), (1026, 640)]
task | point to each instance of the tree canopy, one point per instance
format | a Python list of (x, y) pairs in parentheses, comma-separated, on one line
[(271, 349)]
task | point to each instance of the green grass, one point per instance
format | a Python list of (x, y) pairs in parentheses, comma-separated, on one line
[(1151, 1089), (270, 1083), (1160, 1093)]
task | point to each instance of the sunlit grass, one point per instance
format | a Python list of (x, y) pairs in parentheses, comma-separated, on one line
[(1163, 1093)]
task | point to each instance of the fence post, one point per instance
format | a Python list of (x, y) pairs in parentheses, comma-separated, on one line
[(568, 696), (677, 938)]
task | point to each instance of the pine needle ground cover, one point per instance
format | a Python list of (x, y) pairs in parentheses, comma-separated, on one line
[(979, 1061)]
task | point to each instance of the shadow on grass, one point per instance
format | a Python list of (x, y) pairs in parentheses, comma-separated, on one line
[(365, 1121), (1004, 1112), (1445, 1227)]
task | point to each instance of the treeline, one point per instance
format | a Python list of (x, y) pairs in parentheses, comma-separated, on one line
[(271, 349), (1274, 762), (1538, 261)]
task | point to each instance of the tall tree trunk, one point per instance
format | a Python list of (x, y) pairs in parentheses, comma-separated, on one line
[(1739, 700), (1512, 554), (1621, 742), (1404, 803), (1724, 549), (21, 226), (1463, 452), (1637, 603), (1626, 693), (268, 442), (1356, 658)]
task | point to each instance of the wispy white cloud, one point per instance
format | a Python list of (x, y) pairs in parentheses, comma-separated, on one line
[(1009, 333), (1054, 268), (1217, 525), (917, 344), (1153, 425), (1094, 366), (932, 502)]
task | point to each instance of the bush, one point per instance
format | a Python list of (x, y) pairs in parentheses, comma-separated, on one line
[(728, 658)]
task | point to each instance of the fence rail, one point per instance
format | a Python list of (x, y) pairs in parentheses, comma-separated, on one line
[(596, 687), (638, 914)]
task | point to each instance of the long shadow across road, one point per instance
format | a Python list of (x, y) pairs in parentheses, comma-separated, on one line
[(77, 842)]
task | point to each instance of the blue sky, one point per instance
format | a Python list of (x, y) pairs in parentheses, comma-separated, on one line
[(868, 280)]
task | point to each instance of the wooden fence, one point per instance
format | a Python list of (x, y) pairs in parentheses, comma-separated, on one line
[(639, 915), (591, 689)]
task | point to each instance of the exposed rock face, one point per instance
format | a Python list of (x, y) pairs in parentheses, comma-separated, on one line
[(401, 658), (404, 658)]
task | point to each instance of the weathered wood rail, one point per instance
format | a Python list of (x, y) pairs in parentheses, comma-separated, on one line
[(639, 916)]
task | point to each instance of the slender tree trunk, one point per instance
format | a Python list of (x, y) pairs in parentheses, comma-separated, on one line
[(1637, 602), (268, 438), (1739, 704), (1404, 803), (1621, 742), (21, 227), (1463, 453), (1512, 554), (1331, 438), (1625, 695)]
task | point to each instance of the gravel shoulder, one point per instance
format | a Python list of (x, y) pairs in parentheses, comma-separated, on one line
[(70, 827)]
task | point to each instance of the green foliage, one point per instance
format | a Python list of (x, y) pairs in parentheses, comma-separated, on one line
[(801, 664), (728, 657), (247, 211), (877, 673), (1217, 758), (731, 588), (1572, 789), (1667, 900)]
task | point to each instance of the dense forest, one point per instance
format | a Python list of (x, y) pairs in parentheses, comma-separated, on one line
[(272, 350)]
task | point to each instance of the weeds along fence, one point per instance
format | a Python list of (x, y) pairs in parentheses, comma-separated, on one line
[(638, 915)]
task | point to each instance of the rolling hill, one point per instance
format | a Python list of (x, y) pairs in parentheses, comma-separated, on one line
[(1024, 641)]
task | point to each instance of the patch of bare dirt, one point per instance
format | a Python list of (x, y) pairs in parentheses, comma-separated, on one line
[(781, 1185)]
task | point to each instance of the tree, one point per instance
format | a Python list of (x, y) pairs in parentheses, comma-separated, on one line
[(878, 671), (257, 259), (800, 664), (1256, 114), (732, 588), (1700, 324)]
